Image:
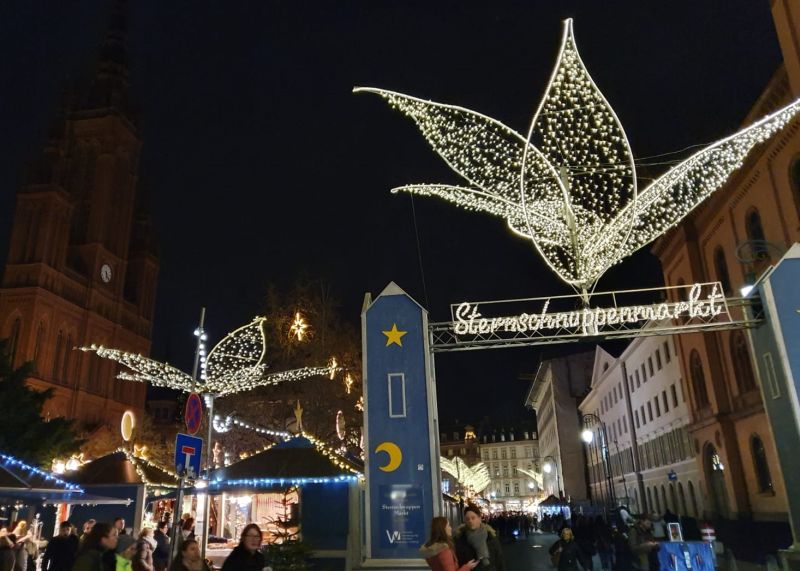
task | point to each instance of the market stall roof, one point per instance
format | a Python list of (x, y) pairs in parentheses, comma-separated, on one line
[(21, 481), (551, 501), (299, 460), (123, 468)]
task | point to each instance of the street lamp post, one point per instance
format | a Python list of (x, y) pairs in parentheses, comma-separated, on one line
[(588, 435)]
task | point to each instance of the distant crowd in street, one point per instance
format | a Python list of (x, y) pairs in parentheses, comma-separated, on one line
[(100, 546)]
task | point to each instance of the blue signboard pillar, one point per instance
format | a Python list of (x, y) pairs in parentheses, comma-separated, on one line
[(776, 354), (401, 446)]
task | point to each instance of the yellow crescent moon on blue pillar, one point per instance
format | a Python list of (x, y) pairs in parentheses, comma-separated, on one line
[(393, 452)]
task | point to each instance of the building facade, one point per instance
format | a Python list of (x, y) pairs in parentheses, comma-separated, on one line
[(731, 238), (81, 265), (506, 451), (641, 454), (558, 387)]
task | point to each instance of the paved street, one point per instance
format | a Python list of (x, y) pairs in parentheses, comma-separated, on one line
[(527, 554)]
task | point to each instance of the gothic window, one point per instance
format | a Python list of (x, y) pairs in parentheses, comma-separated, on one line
[(698, 380), (13, 339), (674, 395), (755, 232), (794, 176), (760, 464), (65, 361), (721, 269), (666, 351), (38, 347), (743, 369), (57, 356)]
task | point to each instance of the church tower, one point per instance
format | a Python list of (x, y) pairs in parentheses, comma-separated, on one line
[(82, 267)]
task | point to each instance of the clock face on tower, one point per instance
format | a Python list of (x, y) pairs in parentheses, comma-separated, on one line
[(105, 273)]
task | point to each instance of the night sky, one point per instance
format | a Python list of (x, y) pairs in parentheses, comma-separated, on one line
[(261, 165)]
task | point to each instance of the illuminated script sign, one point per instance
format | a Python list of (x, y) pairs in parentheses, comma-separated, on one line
[(673, 308)]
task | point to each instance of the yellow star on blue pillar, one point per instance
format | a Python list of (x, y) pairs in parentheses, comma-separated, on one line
[(394, 336)]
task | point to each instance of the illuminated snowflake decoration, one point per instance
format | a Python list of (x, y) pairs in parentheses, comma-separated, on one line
[(473, 478), (235, 364), (570, 186)]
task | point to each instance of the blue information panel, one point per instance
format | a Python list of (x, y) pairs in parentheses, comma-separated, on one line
[(402, 462), (776, 353)]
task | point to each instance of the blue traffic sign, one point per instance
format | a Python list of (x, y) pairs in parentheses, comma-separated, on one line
[(187, 455)]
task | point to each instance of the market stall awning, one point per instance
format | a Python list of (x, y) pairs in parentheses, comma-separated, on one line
[(21, 481), (551, 501), (123, 468), (297, 461)]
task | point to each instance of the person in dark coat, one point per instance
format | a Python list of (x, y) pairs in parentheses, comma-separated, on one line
[(477, 540), (247, 555), (567, 551), (7, 555), (61, 550), (97, 552), (161, 552), (188, 558)]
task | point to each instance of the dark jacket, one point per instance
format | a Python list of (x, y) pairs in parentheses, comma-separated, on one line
[(242, 560), (60, 553), (177, 565), (161, 552), (7, 557), (95, 559), (571, 554), (466, 553)]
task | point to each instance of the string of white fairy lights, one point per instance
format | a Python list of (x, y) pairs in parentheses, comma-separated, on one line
[(570, 186), (234, 365)]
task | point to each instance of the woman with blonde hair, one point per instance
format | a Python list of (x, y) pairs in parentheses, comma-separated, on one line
[(439, 552)]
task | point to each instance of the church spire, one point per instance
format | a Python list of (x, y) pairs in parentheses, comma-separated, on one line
[(108, 88)]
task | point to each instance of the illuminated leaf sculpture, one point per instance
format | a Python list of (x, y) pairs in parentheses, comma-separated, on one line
[(235, 364), (570, 186)]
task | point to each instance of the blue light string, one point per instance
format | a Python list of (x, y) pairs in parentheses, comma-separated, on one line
[(6, 459)]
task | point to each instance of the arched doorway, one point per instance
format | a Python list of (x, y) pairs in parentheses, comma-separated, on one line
[(664, 504), (715, 480), (649, 500)]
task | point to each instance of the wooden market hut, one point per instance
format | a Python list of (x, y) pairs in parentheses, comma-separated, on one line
[(28, 492), (120, 474), (320, 484)]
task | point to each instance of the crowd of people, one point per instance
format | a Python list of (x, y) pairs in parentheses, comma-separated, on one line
[(105, 546), (620, 543)]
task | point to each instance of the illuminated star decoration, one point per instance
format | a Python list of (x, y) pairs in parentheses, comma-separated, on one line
[(299, 327), (393, 336), (235, 364), (570, 186)]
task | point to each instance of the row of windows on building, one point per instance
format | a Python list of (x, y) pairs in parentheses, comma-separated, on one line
[(652, 364), (658, 404), (665, 450), (507, 471), (527, 452)]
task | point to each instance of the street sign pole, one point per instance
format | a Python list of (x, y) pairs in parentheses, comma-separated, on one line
[(176, 517), (209, 459)]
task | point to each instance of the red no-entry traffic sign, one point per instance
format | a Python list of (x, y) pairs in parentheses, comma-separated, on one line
[(193, 413)]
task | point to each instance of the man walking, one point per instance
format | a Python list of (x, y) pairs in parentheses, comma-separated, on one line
[(62, 549)]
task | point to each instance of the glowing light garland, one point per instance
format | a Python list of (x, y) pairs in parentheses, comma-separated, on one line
[(16, 463), (476, 478), (334, 457), (235, 364), (135, 462), (570, 186), (224, 425)]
